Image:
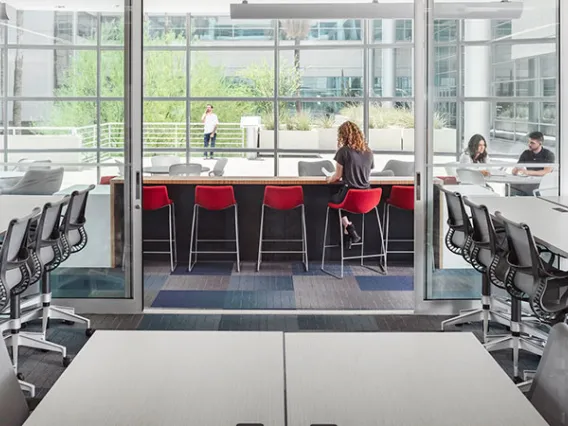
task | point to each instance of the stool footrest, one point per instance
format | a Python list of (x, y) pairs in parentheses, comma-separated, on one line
[(215, 241), (214, 252), (282, 241), (367, 256), (282, 252), (400, 251)]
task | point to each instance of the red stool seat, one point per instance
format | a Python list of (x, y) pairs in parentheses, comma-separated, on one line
[(155, 197), (402, 197), (283, 197), (359, 201), (105, 180), (215, 197)]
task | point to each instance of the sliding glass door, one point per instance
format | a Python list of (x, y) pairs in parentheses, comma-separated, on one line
[(491, 78), (66, 124)]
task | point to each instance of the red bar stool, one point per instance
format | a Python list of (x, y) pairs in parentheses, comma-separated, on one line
[(401, 197), (213, 198), (156, 198), (283, 198), (357, 201)]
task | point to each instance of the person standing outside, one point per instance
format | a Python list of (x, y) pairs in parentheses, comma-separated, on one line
[(210, 123)]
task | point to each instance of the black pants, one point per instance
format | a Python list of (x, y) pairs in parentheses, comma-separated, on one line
[(338, 195)]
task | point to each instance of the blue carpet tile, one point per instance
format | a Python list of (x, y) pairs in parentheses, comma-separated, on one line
[(206, 268), (386, 283), (217, 285)]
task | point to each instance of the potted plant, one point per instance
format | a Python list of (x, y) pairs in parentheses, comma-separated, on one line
[(297, 133), (327, 133)]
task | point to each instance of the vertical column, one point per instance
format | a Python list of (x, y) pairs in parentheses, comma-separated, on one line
[(388, 79), (562, 96), (477, 78)]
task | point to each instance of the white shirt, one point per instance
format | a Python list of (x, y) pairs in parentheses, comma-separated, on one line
[(211, 121), (466, 159)]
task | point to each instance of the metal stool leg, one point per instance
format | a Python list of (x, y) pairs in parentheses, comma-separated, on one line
[(174, 232), (362, 239), (193, 221), (304, 238), (381, 236), (324, 239), (386, 221), (171, 239), (341, 242), (261, 233), (237, 238)]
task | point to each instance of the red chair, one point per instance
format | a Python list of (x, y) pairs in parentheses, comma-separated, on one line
[(156, 198), (214, 198), (357, 201), (283, 198), (401, 197), (105, 180)]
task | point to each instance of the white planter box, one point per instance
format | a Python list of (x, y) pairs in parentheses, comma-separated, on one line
[(298, 139), (445, 140), (408, 140), (267, 139), (385, 139), (327, 138)]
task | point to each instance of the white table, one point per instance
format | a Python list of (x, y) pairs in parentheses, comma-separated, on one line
[(561, 200), (97, 253), (10, 174), (173, 378), (548, 226), (448, 259), (510, 179), (165, 170), (17, 206), (402, 379)]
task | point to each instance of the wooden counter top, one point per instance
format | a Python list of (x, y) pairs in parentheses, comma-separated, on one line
[(198, 180)]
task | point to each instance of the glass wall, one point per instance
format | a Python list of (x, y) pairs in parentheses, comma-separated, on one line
[(62, 128), (497, 79)]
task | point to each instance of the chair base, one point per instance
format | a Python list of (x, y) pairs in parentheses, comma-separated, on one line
[(516, 342), (15, 340), (28, 387), (479, 315)]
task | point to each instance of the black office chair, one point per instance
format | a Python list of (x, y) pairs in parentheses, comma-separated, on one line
[(548, 390), (458, 238), (485, 249), (524, 280)]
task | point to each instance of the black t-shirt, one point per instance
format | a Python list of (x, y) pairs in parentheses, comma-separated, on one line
[(543, 157), (357, 166)]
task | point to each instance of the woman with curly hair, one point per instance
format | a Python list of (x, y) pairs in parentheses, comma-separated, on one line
[(354, 161)]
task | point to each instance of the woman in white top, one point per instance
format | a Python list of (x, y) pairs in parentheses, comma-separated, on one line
[(476, 152)]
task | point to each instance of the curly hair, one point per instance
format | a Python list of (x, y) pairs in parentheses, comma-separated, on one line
[(351, 136)]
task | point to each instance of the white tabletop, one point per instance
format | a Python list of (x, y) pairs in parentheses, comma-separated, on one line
[(471, 190), (10, 174), (16, 206), (173, 378), (514, 179), (402, 379), (561, 200), (547, 225)]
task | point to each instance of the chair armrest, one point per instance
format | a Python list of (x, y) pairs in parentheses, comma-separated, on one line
[(525, 386), (211, 174)]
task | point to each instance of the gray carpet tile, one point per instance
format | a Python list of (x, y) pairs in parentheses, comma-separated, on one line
[(43, 369), (197, 282)]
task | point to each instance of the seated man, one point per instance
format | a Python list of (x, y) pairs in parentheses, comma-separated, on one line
[(535, 154)]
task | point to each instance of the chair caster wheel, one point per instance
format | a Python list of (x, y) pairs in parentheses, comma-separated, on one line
[(89, 332), (20, 377), (66, 361), (67, 322), (48, 324), (23, 326), (517, 380), (458, 325)]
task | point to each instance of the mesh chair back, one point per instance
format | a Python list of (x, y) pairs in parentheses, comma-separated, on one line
[(164, 160), (458, 237), (191, 169), (471, 177), (313, 168), (549, 390), (41, 165), (120, 166), (219, 167), (400, 168), (13, 257), (482, 253), (74, 236), (523, 256), (13, 407), (45, 238), (38, 182)]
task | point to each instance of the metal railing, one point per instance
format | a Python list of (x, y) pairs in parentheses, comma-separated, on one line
[(170, 136)]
